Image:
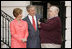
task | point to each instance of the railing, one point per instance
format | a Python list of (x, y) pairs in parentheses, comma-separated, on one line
[(5, 28)]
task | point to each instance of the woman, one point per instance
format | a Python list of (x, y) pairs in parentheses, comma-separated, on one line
[(19, 30)]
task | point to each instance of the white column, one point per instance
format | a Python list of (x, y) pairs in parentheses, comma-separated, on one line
[(68, 24)]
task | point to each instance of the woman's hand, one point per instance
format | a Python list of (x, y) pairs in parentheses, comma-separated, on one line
[(24, 40)]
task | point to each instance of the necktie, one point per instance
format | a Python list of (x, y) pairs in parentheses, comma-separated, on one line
[(34, 23)]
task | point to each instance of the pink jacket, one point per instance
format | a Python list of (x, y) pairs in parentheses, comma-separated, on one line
[(18, 31)]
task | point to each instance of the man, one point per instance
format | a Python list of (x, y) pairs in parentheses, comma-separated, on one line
[(33, 40), (50, 32)]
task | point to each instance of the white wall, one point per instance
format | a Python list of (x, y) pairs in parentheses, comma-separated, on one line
[(68, 24), (8, 6)]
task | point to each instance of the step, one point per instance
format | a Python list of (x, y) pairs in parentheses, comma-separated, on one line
[(4, 45)]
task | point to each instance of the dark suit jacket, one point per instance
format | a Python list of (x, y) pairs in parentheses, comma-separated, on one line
[(50, 32), (33, 40)]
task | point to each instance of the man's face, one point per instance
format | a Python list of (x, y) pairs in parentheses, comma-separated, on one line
[(51, 13), (32, 11)]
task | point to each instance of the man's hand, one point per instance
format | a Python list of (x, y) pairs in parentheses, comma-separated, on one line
[(39, 22)]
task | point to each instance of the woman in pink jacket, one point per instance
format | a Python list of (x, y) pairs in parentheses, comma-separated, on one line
[(19, 30)]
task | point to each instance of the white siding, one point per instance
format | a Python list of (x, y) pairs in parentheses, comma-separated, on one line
[(68, 24), (8, 6)]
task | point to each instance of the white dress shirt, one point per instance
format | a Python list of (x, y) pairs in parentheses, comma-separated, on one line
[(30, 18)]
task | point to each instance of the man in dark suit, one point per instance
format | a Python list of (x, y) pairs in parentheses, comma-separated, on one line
[(33, 40)]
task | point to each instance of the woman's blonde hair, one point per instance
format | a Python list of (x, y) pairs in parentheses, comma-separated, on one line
[(17, 11)]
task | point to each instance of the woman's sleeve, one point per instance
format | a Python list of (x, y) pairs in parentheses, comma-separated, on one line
[(26, 35), (13, 33)]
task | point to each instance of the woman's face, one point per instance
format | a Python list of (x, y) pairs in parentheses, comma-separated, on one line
[(19, 16)]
